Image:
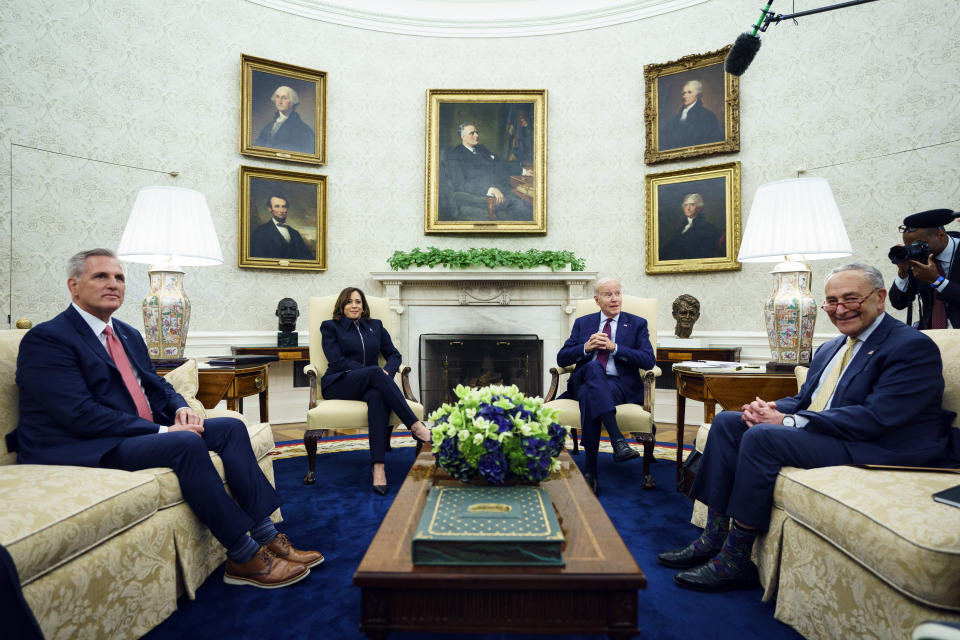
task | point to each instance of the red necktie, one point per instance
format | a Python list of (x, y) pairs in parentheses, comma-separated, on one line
[(126, 372), (604, 356), (938, 319)]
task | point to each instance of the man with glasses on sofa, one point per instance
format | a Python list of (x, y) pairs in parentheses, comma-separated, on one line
[(872, 396), (89, 396)]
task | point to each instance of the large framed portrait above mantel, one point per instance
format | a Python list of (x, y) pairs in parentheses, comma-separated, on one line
[(693, 219), (486, 161), (692, 108), (283, 111), (283, 220)]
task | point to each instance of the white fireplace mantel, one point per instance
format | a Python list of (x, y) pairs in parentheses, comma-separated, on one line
[(441, 287)]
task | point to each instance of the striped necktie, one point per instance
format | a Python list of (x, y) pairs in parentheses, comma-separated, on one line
[(126, 372)]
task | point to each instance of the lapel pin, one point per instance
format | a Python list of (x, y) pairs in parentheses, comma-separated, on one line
[(870, 353)]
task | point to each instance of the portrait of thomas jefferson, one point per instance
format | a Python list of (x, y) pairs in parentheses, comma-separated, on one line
[(692, 220)]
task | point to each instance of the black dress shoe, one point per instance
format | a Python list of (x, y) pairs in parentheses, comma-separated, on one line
[(706, 578), (685, 558), (380, 489), (623, 452), (592, 483)]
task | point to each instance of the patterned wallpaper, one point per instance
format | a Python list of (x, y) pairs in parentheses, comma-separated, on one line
[(116, 94)]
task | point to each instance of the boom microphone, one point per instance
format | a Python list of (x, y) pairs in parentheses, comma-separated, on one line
[(742, 54), (745, 48)]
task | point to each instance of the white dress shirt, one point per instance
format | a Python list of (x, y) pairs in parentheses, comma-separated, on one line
[(611, 367)]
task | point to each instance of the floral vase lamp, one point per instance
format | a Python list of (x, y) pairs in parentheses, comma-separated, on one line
[(169, 227), (791, 222)]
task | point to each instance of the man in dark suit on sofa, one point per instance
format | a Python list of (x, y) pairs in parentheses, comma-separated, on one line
[(872, 396), (608, 349), (89, 396)]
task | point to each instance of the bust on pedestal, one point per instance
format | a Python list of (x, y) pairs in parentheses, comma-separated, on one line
[(288, 313), (686, 312)]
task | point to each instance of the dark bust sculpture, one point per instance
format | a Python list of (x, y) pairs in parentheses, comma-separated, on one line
[(288, 313), (686, 311)]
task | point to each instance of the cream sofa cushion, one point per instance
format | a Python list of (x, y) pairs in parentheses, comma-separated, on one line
[(886, 521), (185, 381), (52, 514), (9, 397)]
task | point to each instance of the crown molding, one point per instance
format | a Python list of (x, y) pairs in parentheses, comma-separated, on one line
[(477, 18)]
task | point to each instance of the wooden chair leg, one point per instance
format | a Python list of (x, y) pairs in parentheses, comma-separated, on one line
[(310, 438), (647, 440)]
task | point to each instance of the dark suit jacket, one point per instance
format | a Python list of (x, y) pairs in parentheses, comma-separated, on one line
[(886, 408), (950, 295), (700, 127), (477, 172), (702, 240), (74, 406), (266, 242), (633, 352), (347, 350), (293, 135)]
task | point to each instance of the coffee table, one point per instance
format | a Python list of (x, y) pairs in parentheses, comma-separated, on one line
[(596, 592)]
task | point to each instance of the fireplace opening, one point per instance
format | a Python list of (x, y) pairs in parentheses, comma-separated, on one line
[(477, 360)]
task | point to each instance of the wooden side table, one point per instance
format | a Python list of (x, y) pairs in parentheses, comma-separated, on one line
[(232, 384), (731, 390), (668, 356)]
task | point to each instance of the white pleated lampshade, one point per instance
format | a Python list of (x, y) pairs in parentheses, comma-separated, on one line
[(797, 216), (170, 224)]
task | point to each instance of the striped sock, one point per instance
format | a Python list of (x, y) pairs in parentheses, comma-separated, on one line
[(264, 532), (243, 550)]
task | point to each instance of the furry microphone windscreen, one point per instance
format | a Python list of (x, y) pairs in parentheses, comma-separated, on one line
[(742, 54)]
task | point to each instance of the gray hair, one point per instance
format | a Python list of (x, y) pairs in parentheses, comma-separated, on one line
[(464, 125), (872, 274), (294, 96), (697, 86), (78, 262), (696, 197), (602, 281)]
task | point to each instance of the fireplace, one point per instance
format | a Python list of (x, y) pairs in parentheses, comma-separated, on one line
[(477, 360)]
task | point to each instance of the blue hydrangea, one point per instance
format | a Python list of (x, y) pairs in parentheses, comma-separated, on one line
[(493, 467)]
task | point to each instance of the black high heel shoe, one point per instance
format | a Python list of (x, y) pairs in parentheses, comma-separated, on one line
[(380, 489), (418, 438)]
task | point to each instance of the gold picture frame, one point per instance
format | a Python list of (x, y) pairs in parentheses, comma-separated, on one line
[(685, 231), (694, 121), (300, 135), (497, 185), (299, 201)]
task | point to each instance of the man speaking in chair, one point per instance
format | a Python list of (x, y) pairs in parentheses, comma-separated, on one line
[(872, 396), (608, 348), (89, 396)]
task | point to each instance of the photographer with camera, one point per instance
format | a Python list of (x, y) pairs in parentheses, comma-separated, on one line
[(925, 261)]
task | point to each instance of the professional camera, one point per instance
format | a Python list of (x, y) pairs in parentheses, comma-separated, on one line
[(918, 251)]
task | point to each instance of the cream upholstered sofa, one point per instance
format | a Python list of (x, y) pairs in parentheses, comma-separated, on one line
[(103, 553), (863, 553)]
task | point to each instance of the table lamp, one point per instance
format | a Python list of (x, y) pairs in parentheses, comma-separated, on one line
[(169, 227), (791, 222)]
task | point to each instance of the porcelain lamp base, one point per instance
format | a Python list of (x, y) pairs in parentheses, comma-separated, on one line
[(166, 313)]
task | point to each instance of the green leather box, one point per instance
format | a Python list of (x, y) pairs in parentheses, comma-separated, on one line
[(488, 526)]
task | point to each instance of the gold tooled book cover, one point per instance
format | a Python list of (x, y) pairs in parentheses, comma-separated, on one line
[(488, 526)]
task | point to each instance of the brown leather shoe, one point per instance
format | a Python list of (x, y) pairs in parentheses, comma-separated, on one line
[(265, 571), (282, 548)]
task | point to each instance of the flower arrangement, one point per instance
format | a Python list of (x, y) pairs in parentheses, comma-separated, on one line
[(498, 433)]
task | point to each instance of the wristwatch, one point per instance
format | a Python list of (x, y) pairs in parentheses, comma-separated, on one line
[(789, 421)]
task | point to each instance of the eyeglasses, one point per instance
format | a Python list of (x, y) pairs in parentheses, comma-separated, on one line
[(850, 304)]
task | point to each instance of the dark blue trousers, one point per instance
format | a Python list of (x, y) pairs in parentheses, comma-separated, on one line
[(382, 395), (598, 394), (202, 488), (740, 464)]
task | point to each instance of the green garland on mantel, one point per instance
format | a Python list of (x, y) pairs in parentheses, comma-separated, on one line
[(457, 259)]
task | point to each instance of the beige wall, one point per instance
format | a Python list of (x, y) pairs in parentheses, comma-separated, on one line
[(869, 93)]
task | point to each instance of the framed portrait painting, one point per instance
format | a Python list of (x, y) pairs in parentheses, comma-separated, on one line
[(693, 108), (283, 220), (486, 161), (283, 111), (693, 219)]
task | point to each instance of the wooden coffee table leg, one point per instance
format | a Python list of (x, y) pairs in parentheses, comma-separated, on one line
[(681, 417), (310, 438)]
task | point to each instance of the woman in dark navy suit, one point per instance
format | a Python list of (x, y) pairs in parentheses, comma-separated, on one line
[(352, 343)]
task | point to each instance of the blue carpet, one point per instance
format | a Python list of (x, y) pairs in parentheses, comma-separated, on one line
[(340, 515)]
